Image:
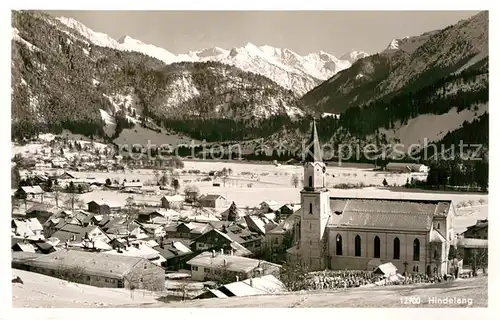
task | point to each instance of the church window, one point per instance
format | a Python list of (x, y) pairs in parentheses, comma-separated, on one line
[(396, 248), (338, 248), (416, 250), (310, 208), (376, 247), (357, 246), (438, 225), (310, 181)]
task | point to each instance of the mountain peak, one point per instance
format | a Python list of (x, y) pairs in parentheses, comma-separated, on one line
[(125, 38)]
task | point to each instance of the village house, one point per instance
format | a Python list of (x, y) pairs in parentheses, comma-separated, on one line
[(269, 206), (175, 253), (95, 269), (42, 212), (213, 266), (172, 202), (224, 238), (406, 167), (185, 230), (159, 216), (28, 192), (101, 207), (139, 249), (133, 185), (71, 232), (153, 230), (477, 231), (287, 210), (264, 285), (281, 237), (218, 240), (212, 201), (472, 249), (29, 227), (346, 233), (65, 175)]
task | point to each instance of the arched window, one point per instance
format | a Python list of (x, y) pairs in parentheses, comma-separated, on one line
[(310, 181), (338, 245), (310, 208), (396, 248), (376, 247), (357, 246), (416, 250)]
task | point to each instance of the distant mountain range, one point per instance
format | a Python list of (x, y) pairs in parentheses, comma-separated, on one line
[(66, 76), (285, 67)]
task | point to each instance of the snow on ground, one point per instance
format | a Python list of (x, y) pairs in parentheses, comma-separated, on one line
[(28, 148), (46, 292), (475, 289), (108, 119), (17, 37), (435, 127)]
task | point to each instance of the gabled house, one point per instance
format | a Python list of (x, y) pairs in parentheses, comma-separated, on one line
[(172, 202), (176, 254), (70, 232), (28, 192), (133, 184), (42, 212), (98, 207), (65, 176), (269, 206), (212, 266), (477, 231), (190, 230), (29, 227), (287, 210), (212, 201)]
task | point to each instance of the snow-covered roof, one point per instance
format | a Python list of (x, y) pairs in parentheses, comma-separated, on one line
[(174, 198), (34, 190)]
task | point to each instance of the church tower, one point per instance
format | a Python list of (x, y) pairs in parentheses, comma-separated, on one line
[(315, 206)]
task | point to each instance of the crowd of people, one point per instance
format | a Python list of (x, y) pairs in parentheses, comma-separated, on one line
[(330, 279)]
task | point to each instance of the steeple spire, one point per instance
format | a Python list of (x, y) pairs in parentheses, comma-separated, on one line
[(314, 150)]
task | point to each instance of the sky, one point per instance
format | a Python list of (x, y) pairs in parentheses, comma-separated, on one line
[(336, 32)]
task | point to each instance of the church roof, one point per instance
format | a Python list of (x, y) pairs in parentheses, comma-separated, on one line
[(313, 153), (392, 214)]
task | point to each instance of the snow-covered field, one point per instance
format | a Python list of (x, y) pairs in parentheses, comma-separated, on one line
[(47, 292), (271, 182), (41, 291), (475, 289)]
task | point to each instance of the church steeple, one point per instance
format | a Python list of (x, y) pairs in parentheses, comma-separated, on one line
[(314, 150), (314, 168)]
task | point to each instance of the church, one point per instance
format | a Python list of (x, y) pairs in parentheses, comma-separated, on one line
[(353, 233)]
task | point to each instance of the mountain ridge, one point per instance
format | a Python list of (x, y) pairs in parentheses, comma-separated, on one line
[(287, 68)]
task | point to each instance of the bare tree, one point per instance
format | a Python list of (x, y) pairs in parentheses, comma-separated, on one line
[(295, 180), (157, 176), (479, 259), (191, 192), (56, 191), (71, 200), (294, 276)]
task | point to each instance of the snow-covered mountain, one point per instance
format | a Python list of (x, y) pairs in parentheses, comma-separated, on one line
[(285, 67)]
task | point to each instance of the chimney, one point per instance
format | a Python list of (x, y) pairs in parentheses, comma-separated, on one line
[(237, 279), (251, 282), (232, 252), (213, 253), (225, 262), (221, 251)]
